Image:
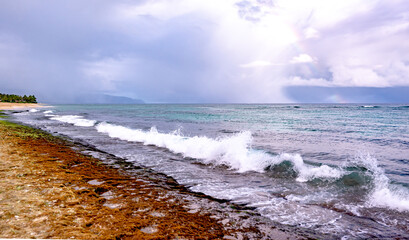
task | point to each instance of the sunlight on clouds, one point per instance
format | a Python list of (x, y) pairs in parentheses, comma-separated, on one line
[(311, 33), (357, 46), (270, 28), (302, 58), (323, 13), (259, 63), (358, 76), (236, 42)]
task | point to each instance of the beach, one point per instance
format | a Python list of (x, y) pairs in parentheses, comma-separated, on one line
[(50, 190), (11, 106)]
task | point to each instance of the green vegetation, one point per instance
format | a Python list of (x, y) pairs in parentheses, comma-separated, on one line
[(13, 98), (27, 132), (2, 115)]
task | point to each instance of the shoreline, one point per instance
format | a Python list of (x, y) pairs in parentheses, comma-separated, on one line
[(55, 188), (20, 106)]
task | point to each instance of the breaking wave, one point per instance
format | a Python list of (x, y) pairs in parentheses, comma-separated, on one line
[(304, 172), (370, 106), (383, 193), (234, 151), (75, 120), (49, 113)]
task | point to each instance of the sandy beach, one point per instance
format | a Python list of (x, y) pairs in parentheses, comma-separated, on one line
[(12, 106), (50, 190)]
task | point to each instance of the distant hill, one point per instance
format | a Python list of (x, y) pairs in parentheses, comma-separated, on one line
[(105, 99)]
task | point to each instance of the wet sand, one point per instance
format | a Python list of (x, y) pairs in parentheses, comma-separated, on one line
[(49, 189)]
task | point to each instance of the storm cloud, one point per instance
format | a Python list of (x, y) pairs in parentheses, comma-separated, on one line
[(201, 51)]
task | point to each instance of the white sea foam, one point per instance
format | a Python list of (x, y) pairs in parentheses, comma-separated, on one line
[(74, 119), (384, 194), (234, 151), (395, 198), (33, 110), (307, 172), (48, 113)]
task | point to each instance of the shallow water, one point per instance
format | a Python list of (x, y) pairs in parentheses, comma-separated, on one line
[(338, 169)]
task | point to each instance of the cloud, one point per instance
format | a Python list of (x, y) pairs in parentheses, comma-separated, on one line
[(255, 10), (104, 74), (12, 49), (298, 81), (311, 33), (362, 50), (259, 63), (302, 58), (200, 51)]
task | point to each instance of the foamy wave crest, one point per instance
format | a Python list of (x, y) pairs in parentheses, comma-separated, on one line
[(33, 110), (370, 106), (48, 113), (384, 194), (74, 119), (234, 151), (306, 172)]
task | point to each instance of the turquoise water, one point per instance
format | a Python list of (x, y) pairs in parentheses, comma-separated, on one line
[(339, 169)]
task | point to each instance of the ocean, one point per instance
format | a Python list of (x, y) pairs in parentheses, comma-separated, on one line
[(337, 169)]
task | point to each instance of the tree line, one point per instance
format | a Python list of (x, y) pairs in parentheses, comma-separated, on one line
[(13, 98)]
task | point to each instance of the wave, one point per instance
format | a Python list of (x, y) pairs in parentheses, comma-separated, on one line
[(370, 106), (48, 113), (75, 120), (401, 108), (237, 154), (33, 110), (383, 193), (303, 172), (234, 152)]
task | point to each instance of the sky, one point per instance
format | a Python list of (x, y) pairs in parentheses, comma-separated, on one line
[(206, 51)]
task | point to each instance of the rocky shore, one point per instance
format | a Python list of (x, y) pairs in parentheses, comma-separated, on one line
[(54, 188)]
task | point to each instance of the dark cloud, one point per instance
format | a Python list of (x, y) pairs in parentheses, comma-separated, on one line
[(59, 39), (194, 51)]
